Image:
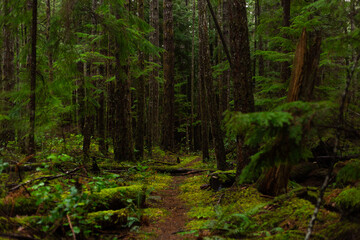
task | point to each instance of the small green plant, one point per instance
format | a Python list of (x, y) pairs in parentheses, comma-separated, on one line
[(231, 224), (348, 174), (3, 165)]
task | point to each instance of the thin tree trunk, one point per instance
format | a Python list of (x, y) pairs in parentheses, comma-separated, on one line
[(32, 103), (8, 81), (169, 55), (241, 72), (206, 78), (49, 51), (140, 92), (153, 109), (285, 66), (192, 120)]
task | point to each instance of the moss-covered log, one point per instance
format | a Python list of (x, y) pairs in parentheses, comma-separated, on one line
[(18, 206), (117, 198)]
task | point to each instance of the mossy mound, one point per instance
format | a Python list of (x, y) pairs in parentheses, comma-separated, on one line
[(243, 199), (341, 229), (117, 198), (348, 202), (154, 214)]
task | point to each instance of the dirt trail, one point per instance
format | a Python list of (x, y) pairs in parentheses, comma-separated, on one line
[(169, 227)]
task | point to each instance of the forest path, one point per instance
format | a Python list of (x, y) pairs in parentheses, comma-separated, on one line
[(169, 227)]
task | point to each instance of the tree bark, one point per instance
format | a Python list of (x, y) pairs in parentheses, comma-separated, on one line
[(123, 142), (192, 120), (32, 103), (153, 109), (169, 55), (206, 79), (285, 71), (140, 94), (306, 61), (241, 72), (7, 76)]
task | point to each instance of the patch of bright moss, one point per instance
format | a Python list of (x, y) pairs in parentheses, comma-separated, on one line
[(197, 224), (243, 198), (193, 195), (292, 214), (159, 181), (185, 160), (154, 214), (349, 201), (202, 212)]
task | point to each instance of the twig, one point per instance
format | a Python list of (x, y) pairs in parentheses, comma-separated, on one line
[(220, 198), (42, 178), (71, 227)]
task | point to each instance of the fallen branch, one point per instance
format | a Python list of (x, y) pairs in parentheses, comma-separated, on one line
[(44, 178), (16, 236), (71, 227)]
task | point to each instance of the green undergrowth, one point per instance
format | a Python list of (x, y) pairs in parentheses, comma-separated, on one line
[(243, 213)]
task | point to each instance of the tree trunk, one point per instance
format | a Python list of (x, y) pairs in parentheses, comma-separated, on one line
[(153, 109), (192, 84), (285, 66), (303, 77), (32, 103), (7, 130), (123, 143), (140, 94), (241, 72), (206, 79), (169, 55), (225, 78)]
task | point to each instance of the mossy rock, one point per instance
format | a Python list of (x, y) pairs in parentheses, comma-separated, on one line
[(222, 179), (348, 202), (108, 219), (18, 206), (117, 198)]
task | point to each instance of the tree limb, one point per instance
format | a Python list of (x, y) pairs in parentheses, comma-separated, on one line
[(44, 178), (220, 33)]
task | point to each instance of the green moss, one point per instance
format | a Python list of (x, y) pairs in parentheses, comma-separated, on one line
[(349, 174), (202, 212), (243, 198), (292, 214), (348, 201), (193, 195), (186, 160), (154, 214), (116, 198), (108, 219), (197, 224), (341, 229), (159, 181)]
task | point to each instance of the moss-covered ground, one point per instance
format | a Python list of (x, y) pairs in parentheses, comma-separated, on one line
[(131, 199)]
